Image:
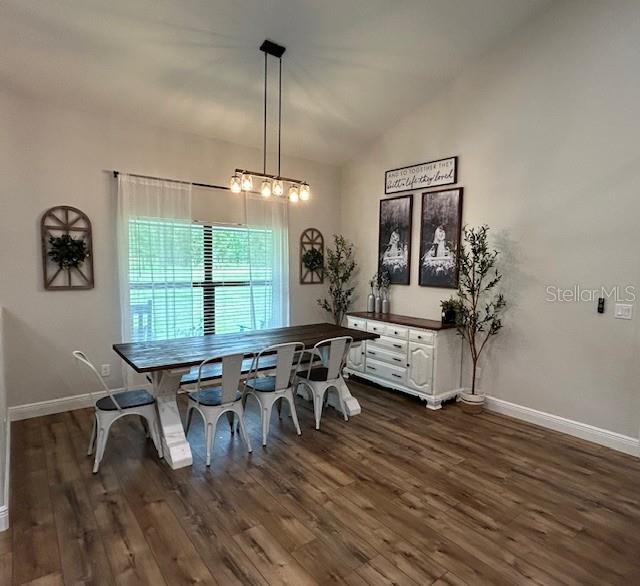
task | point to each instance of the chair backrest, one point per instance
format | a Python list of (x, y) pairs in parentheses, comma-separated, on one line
[(82, 357), (288, 358), (231, 374), (333, 354), (142, 320)]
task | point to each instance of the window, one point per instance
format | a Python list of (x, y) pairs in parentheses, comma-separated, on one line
[(192, 279)]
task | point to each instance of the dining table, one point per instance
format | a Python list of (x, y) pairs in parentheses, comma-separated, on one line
[(166, 362)]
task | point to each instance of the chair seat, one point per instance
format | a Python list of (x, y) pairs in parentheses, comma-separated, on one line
[(126, 400), (263, 384), (211, 397), (317, 374)]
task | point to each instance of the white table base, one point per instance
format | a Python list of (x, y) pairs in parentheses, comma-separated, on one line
[(175, 447)]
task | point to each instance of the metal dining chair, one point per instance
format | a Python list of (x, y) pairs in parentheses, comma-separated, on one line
[(332, 353), (115, 405), (214, 401), (267, 390)]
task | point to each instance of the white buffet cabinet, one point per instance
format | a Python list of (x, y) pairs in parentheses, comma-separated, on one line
[(421, 361)]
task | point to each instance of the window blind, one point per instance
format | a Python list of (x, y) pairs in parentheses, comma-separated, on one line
[(192, 279)]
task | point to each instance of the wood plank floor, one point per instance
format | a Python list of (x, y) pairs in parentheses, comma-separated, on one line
[(399, 495)]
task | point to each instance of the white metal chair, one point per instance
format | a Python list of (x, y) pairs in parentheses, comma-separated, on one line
[(319, 379), (267, 390), (212, 402), (114, 406)]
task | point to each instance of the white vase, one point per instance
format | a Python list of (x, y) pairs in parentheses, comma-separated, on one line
[(385, 305), (378, 304)]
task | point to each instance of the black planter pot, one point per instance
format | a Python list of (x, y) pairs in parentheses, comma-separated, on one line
[(449, 316)]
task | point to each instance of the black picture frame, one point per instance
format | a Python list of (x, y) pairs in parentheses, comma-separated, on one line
[(453, 180), (395, 222), (441, 210)]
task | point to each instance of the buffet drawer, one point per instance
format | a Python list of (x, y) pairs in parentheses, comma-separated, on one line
[(357, 324), (376, 327), (385, 371), (394, 358), (391, 330), (389, 344), (421, 336), (395, 331)]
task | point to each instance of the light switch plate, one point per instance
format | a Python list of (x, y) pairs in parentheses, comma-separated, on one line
[(105, 370), (623, 311)]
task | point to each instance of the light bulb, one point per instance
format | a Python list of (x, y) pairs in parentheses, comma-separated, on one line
[(234, 183), (305, 192), (247, 182), (265, 189), (293, 194), (278, 188)]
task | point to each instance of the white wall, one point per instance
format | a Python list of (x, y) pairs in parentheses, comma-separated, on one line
[(547, 130), (51, 156)]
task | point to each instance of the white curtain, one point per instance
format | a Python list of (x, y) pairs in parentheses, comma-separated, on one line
[(267, 221), (154, 259)]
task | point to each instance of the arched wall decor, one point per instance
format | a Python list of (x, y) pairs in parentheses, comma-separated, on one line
[(62, 221), (311, 239)]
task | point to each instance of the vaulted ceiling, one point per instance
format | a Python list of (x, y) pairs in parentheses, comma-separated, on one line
[(351, 69)]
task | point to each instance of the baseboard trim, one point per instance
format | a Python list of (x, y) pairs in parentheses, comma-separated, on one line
[(62, 404), (611, 439), (4, 518), (52, 406), (4, 509)]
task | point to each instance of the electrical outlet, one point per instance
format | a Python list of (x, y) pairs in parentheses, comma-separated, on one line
[(105, 370), (623, 311)]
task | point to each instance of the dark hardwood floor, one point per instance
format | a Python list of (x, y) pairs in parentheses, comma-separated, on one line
[(399, 495)]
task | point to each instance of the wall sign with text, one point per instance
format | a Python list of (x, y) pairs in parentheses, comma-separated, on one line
[(421, 176)]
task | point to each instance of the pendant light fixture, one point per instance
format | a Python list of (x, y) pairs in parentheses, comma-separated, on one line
[(265, 189), (235, 183), (243, 180), (305, 192)]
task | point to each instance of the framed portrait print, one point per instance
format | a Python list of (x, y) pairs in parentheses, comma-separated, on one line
[(440, 226), (394, 238)]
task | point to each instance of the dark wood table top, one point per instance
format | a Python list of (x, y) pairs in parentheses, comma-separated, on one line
[(187, 352), (403, 320)]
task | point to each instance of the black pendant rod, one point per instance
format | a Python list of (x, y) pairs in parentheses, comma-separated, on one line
[(264, 131), (193, 183), (279, 111)]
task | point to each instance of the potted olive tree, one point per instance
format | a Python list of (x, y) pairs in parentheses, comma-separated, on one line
[(478, 315), (339, 269)]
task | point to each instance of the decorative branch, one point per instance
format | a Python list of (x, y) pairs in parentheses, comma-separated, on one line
[(479, 306), (339, 268)]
